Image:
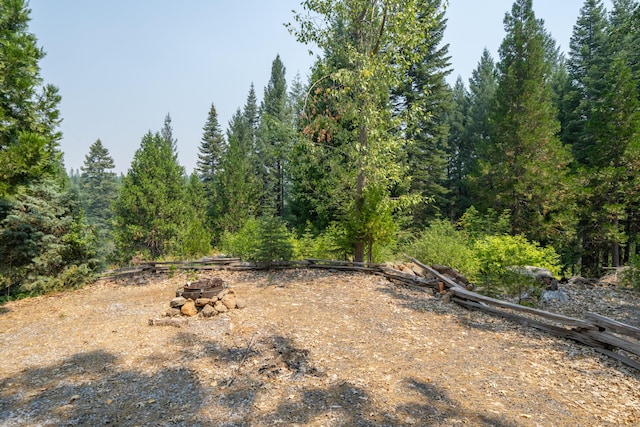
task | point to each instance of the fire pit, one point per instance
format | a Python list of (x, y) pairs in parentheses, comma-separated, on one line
[(207, 288)]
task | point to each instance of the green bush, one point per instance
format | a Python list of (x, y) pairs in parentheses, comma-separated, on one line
[(630, 276), (497, 253), (244, 242), (266, 239), (442, 244)]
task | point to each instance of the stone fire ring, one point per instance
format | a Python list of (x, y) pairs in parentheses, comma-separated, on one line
[(207, 288)]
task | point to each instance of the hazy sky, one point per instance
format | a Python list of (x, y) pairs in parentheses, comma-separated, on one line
[(122, 65)]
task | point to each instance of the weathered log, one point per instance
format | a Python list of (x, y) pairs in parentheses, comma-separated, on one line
[(552, 329), (464, 294), (615, 341), (445, 279), (178, 322), (613, 325)]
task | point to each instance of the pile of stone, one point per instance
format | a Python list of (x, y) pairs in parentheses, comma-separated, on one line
[(208, 306)]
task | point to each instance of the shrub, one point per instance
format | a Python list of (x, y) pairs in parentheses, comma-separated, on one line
[(630, 276), (442, 244), (497, 253), (266, 239), (244, 242)]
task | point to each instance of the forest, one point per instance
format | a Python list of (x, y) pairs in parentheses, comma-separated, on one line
[(535, 160)]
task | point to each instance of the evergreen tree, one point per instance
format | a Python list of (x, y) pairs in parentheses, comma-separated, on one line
[(459, 153), (274, 139), (523, 164), (98, 184), (239, 190), (425, 89), (152, 214), (98, 188), (45, 243), (587, 64), (624, 33), (209, 164), (195, 237), (210, 153), (29, 114)]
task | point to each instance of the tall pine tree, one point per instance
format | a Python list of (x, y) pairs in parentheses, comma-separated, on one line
[(152, 212), (209, 165), (523, 164), (29, 115), (98, 184), (274, 139)]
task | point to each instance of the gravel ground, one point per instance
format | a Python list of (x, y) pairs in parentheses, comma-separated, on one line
[(312, 348)]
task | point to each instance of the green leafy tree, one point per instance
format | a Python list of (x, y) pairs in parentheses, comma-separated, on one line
[(369, 48), (523, 165)]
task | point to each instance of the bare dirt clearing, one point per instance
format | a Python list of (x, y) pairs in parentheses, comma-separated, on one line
[(311, 348)]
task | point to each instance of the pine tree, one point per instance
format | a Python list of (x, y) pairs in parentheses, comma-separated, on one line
[(212, 147), (98, 184), (459, 153), (209, 165), (425, 90), (152, 213), (29, 114), (45, 242), (274, 139), (239, 191), (587, 66), (523, 164)]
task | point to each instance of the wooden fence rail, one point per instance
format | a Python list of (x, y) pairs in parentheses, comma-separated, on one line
[(603, 334)]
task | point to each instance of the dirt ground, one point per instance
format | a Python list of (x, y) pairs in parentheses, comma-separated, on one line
[(311, 348)]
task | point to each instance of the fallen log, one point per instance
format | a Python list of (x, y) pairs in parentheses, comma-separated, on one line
[(177, 322), (613, 325), (464, 294), (447, 280)]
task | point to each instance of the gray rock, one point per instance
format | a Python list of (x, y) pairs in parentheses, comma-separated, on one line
[(173, 312), (558, 295), (177, 302), (208, 311), (229, 301), (220, 307)]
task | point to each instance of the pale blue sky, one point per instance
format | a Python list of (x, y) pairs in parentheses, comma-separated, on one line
[(121, 65)]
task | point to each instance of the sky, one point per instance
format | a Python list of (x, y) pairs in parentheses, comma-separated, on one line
[(122, 65)]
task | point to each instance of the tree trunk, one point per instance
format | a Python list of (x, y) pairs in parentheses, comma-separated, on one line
[(359, 251), (360, 183)]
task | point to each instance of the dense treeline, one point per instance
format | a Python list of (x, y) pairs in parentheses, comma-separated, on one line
[(535, 159)]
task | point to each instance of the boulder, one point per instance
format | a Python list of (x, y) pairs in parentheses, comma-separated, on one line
[(557, 295), (177, 302), (172, 312), (540, 274), (240, 303), (201, 302), (229, 301), (220, 307), (208, 311), (189, 308)]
